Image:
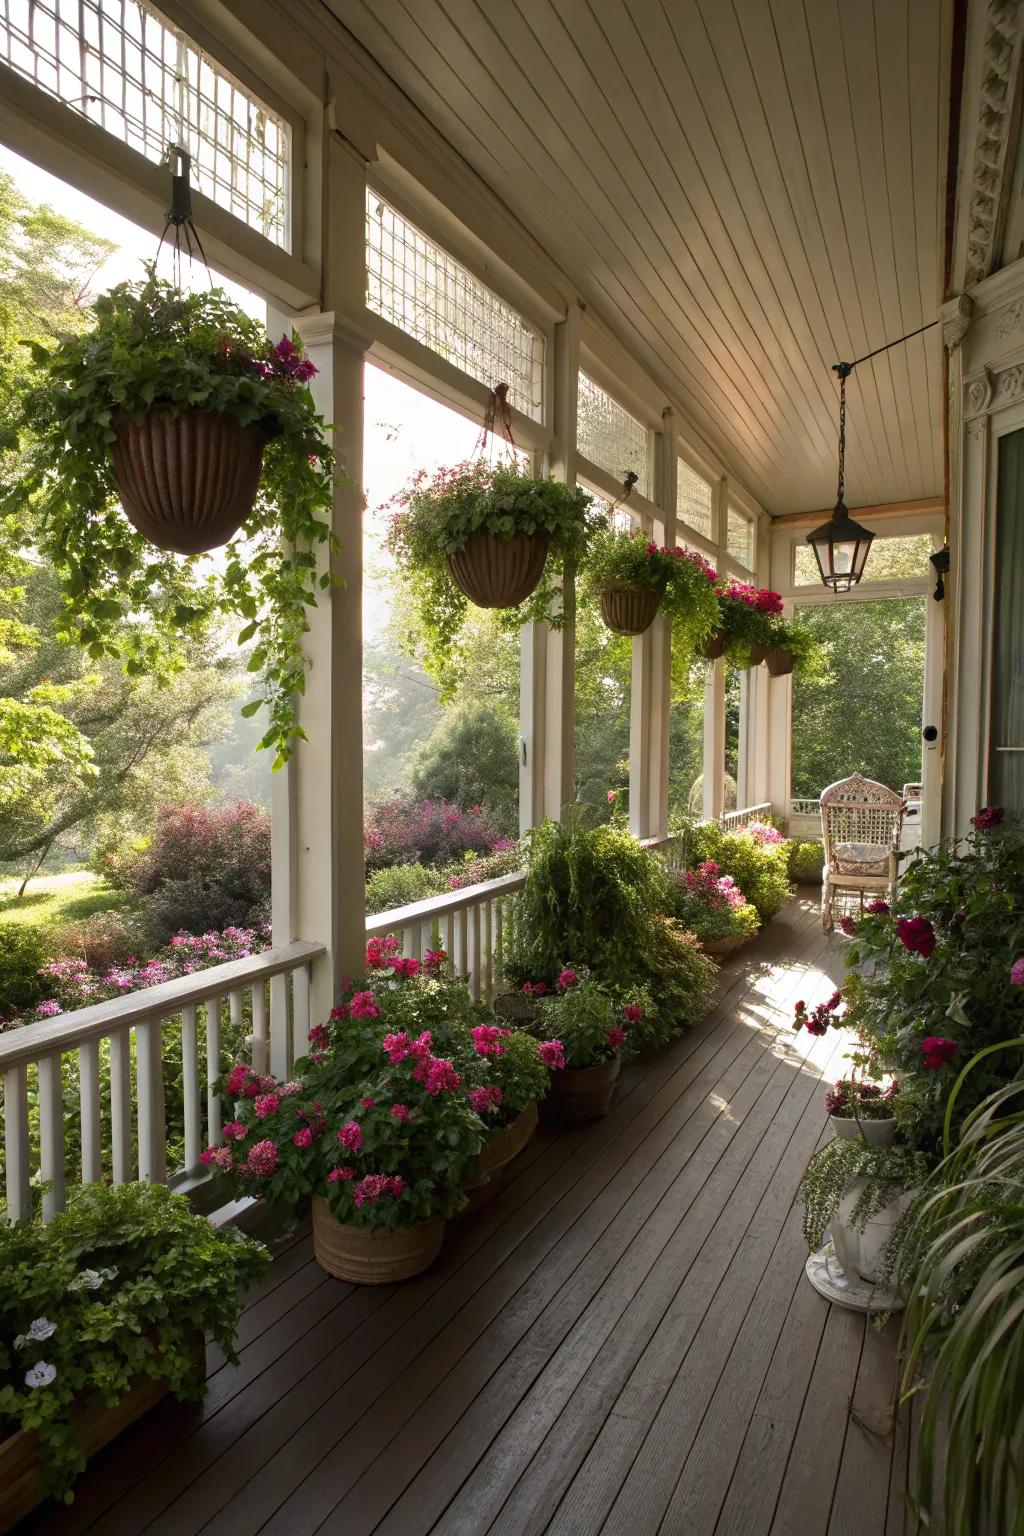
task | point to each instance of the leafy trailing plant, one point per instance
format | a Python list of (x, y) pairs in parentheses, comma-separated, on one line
[(745, 618), (790, 635), (435, 516), (887, 1172), (959, 1257), (121, 1285), (153, 347), (582, 1018), (630, 558)]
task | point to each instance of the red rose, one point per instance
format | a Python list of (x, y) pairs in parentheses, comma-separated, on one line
[(916, 934), (935, 1052)]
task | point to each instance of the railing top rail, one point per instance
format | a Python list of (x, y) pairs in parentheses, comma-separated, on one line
[(82, 1024), (380, 923)]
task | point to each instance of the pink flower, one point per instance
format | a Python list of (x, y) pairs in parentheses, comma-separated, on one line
[(566, 979), (320, 1035), (375, 1186), (632, 1013), (262, 1159), (396, 1047), (439, 1076), (351, 1136), (877, 908), (848, 925), (48, 1009), (434, 957), (237, 1079), (935, 1052), (1017, 972), (552, 1054), (337, 1174), (289, 1090), (988, 818), (615, 1037), (487, 1039), (610, 796), (363, 1006), (408, 967), (367, 1103), (401, 1113), (484, 1100), (534, 988), (235, 1131), (303, 1138), (266, 1105), (916, 934)]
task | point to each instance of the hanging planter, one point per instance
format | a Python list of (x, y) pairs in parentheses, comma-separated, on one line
[(792, 648), (178, 409), (629, 610), (498, 572), (745, 621), (779, 660), (633, 579), (710, 650), (187, 482), (756, 654)]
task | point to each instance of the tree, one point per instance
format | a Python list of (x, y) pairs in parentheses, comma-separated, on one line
[(471, 758)]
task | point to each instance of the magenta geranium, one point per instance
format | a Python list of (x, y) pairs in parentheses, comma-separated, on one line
[(821, 1019), (877, 908), (1017, 972), (988, 818), (552, 1055), (917, 935), (936, 1052)]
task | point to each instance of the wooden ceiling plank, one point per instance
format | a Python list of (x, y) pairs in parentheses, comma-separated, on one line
[(927, 94)]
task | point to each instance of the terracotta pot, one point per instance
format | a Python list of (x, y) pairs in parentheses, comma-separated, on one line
[(496, 1155), (877, 1133), (710, 649), (187, 482), (94, 1424), (779, 660), (629, 610), (581, 1093), (373, 1255), (721, 947), (495, 572)]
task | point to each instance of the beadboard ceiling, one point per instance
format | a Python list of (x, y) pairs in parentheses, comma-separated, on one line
[(745, 190)]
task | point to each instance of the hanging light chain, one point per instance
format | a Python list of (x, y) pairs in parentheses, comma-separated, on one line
[(844, 370)]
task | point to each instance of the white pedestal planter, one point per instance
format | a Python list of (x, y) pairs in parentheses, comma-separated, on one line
[(846, 1269), (877, 1133)]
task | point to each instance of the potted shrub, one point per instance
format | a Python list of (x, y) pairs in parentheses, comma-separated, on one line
[(861, 1193), (757, 858), (102, 1312), (632, 577), (806, 863), (860, 1109), (584, 1053), (712, 907), (177, 408), (491, 534), (791, 648), (513, 1078)]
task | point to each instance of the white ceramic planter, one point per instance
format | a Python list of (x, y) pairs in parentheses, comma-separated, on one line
[(877, 1133), (859, 1252)]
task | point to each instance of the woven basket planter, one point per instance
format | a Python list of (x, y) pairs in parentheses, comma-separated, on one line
[(579, 1094), (94, 1424), (757, 655), (496, 1155), (373, 1255), (779, 660), (187, 482), (721, 947), (629, 610), (495, 572), (711, 649)]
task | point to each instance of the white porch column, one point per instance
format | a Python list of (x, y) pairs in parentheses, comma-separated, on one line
[(714, 688), (650, 692), (548, 656), (327, 876)]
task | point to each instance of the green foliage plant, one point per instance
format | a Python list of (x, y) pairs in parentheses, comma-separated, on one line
[(760, 869), (745, 618), (711, 905), (400, 885), (806, 862), (581, 1014), (959, 1257), (23, 952), (153, 347), (122, 1285), (630, 558), (435, 516), (795, 637), (887, 1172)]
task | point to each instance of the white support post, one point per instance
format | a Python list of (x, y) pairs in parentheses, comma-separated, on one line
[(548, 656), (775, 725), (326, 853), (650, 693), (714, 741)]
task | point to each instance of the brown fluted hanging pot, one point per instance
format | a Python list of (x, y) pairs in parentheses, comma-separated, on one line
[(495, 572), (630, 610), (187, 482)]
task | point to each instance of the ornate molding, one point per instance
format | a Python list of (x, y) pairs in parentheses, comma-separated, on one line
[(1011, 319), (1000, 67), (985, 392), (978, 388), (1009, 386), (956, 318)]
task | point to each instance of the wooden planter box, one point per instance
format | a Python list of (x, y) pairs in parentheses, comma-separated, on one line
[(95, 1425)]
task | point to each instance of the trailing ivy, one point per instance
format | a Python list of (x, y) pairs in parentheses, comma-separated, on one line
[(153, 347)]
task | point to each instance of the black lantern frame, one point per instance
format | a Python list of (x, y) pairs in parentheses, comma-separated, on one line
[(841, 546)]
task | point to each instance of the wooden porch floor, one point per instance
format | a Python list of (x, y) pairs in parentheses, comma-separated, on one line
[(623, 1342)]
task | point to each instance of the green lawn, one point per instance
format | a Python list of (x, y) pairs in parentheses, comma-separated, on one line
[(53, 900)]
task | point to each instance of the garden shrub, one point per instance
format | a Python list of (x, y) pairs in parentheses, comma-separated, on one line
[(23, 950), (403, 831), (475, 868), (806, 862), (102, 940), (759, 868), (471, 758), (401, 884), (207, 868)]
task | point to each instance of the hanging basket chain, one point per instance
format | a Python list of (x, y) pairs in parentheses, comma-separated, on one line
[(179, 216)]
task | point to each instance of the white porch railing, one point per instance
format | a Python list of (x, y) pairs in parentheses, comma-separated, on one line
[(114, 1098), (473, 926), (733, 819), (805, 807)]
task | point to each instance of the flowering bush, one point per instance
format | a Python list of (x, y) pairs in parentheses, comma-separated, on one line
[(931, 982), (121, 1285), (711, 905), (584, 1022), (758, 863), (764, 834), (853, 1099), (745, 615), (206, 868), (630, 558), (398, 831)]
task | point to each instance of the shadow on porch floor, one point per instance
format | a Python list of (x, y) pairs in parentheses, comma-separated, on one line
[(622, 1342)]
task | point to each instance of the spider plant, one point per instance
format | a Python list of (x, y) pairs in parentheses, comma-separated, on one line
[(961, 1264)]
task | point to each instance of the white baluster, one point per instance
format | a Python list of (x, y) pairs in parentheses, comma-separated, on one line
[(472, 917), (487, 951), (121, 1106), (411, 943), (16, 1143), (51, 1134), (300, 1012), (427, 937), (279, 1060), (149, 1076), (498, 961), (89, 1104), (191, 1097), (461, 942), (213, 1116), (259, 1026)]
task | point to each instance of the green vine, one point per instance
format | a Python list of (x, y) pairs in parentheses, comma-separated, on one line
[(887, 1172), (153, 347)]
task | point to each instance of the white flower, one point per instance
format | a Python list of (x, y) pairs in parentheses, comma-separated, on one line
[(88, 1280), (41, 1329), (41, 1374)]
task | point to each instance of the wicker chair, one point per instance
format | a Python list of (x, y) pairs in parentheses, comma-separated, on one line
[(861, 822)]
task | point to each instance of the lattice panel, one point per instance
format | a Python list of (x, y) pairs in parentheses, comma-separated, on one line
[(610, 437), (432, 297), (739, 538), (121, 65), (693, 499)]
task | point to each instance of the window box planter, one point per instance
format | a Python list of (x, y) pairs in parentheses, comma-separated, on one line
[(630, 609), (579, 1094), (373, 1255), (498, 572), (187, 482), (94, 1424)]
